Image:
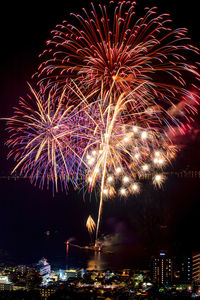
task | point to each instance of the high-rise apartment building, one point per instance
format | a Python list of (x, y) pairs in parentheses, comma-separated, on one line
[(44, 270), (162, 269), (182, 269), (196, 267)]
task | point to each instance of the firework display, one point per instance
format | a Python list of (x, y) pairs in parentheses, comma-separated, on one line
[(99, 143), (41, 139), (113, 46), (117, 146), (110, 92)]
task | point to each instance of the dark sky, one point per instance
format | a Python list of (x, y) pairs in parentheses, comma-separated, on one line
[(154, 220)]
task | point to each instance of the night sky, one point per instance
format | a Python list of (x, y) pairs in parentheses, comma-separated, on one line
[(167, 219)]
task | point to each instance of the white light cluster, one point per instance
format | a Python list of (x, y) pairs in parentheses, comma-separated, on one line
[(138, 142)]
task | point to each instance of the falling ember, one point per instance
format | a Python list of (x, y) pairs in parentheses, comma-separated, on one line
[(157, 154), (110, 179), (135, 129), (159, 161), (126, 139), (89, 179), (137, 155), (67, 248), (90, 224), (134, 188), (91, 161), (145, 167), (118, 170), (144, 135), (158, 180), (112, 191), (125, 179), (105, 191), (123, 192)]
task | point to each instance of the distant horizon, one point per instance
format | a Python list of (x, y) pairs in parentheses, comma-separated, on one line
[(87, 259)]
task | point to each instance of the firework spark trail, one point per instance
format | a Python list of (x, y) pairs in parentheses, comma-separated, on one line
[(125, 52), (41, 139), (90, 224)]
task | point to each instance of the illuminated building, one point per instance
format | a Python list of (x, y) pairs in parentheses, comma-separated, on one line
[(182, 270), (6, 287), (70, 274), (53, 277), (81, 273), (22, 269), (44, 270), (5, 284), (125, 272), (62, 276), (47, 291), (19, 287), (196, 267), (162, 272)]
